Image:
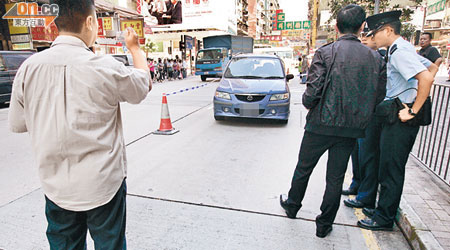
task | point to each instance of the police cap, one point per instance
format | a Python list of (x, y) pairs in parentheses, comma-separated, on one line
[(377, 21)]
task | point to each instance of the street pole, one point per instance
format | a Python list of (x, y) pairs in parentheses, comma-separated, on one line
[(377, 7), (314, 23)]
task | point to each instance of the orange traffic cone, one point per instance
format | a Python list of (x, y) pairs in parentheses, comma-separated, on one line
[(165, 127)]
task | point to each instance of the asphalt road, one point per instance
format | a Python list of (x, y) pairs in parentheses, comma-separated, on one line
[(213, 185)]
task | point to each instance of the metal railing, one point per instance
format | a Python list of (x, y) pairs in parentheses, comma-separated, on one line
[(432, 147)]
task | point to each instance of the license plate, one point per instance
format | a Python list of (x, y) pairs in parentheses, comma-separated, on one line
[(206, 73), (249, 109)]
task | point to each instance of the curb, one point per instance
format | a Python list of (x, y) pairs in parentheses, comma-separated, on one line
[(416, 232)]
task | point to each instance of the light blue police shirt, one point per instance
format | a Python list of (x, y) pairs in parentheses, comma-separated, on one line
[(403, 65)]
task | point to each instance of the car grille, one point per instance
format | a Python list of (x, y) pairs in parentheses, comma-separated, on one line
[(261, 111), (254, 98)]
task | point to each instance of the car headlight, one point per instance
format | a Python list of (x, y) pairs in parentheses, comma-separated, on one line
[(279, 97), (223, 95)]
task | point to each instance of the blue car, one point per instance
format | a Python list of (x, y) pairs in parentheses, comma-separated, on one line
[(253, 86)]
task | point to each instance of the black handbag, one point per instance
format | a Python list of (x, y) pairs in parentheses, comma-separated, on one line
[(423, 117), (387, 111)]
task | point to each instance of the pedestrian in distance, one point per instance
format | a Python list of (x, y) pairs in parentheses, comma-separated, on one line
[(345, 78), (391, 140), (428, 51), (68, 100), (151, 67)]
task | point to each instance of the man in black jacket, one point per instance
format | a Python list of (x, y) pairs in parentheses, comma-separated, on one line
[(345, 82)]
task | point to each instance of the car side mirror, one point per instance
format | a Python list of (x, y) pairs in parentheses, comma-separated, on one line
[(289, 77)]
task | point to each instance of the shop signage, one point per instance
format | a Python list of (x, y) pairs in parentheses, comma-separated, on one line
[(45, 34), (137, 25), (12, 28), (436, 7), (22, 46), (101, 31), (280, 23), (107, 23), (20, 38), (271, 38)]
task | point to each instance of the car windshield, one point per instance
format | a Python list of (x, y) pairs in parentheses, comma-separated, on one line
[(13, 61), (206, 55), (255, 68)]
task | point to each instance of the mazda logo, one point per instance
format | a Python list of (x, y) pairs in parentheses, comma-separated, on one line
[(249, 98)]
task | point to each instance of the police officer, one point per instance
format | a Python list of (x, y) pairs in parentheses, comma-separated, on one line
[(405, 70)]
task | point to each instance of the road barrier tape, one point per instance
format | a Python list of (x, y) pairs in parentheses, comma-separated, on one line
[(186, 90)]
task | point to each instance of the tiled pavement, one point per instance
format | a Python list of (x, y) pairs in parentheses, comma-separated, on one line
[(429, 198)]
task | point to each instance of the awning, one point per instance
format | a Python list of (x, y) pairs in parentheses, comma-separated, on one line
[(103, 6), (124, 12)]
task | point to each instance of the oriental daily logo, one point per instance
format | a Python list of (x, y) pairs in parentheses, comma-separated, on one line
[(31, 15)]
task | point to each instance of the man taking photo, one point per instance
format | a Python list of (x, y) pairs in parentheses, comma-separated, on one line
[(67, 99)]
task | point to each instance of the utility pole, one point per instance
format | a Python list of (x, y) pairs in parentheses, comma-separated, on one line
[(314, 23), (377, 7)]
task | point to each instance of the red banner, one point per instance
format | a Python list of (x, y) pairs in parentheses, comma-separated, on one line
[(101, 31), (45, 34), (139, 6)]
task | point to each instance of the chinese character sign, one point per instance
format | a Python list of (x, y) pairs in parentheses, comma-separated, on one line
[(137, 25), (306, 25), (107, 23), (100, 27), (289, 25)]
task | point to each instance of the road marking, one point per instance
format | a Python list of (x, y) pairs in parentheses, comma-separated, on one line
[(368, 235), (151, 133), (228, 208)]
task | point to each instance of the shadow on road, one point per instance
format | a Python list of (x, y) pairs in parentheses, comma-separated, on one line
[(251, 122)]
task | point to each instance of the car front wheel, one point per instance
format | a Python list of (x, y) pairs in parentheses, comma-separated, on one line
[(203, 78)]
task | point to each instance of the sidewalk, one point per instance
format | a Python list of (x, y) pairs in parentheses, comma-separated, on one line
[(425, 209)]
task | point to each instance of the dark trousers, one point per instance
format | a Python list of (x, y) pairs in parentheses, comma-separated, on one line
[(312, 148), (356, 179), (396, 142), (68, 229), (369, 163)]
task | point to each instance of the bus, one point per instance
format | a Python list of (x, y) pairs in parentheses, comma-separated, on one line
[(285, 53)]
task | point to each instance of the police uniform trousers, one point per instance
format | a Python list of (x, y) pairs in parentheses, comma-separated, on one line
[(356, 179), (312, 148), (369, 161), (396, 141)]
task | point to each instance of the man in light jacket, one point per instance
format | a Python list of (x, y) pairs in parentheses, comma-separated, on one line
[(67, 99)]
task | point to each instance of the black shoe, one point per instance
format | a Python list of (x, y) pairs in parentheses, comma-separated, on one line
[(289, 207), (350, 191), (354, 203), (373, 225), (322, 232), (369, 212)]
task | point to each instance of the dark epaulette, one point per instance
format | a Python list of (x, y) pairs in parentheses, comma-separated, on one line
[(393, 49)]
